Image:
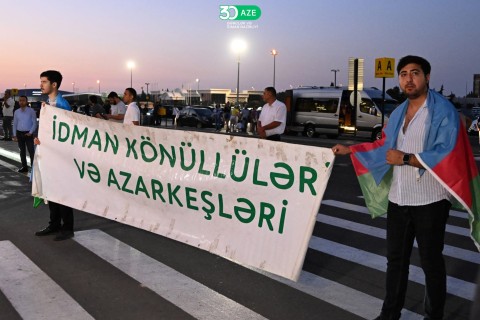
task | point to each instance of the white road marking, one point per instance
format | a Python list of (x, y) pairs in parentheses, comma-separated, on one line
[(31, 292), (194, 298)]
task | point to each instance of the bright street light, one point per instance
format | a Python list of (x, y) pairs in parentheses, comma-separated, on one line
[(131, 65), (274, 54), (238, 46)]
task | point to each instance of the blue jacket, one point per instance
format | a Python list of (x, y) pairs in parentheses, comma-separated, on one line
[(62, 103)]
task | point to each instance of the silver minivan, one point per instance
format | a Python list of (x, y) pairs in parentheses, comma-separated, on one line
[(330, 111)]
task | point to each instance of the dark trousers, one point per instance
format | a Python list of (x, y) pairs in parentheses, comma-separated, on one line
[(426, 224), (59, 213), (274, 137), (7, 127), (25, 143)]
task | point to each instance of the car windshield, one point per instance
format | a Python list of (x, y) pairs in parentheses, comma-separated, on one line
[(203, 112)]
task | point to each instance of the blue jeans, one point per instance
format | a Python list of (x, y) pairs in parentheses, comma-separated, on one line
[(425, 223)]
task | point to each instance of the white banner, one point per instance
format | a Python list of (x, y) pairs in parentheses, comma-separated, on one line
[(249, 200)]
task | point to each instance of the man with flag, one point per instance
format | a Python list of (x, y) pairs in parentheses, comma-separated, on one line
[(422, 165)]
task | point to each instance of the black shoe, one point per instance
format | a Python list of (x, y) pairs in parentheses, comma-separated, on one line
[(64, 235), (44, 232), (23, 170)]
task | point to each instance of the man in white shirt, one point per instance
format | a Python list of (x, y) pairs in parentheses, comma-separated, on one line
[(8, 106), (132, 116), (117, 108), (272, 120)]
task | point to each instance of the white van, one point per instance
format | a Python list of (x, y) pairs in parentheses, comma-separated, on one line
[(329, 111)]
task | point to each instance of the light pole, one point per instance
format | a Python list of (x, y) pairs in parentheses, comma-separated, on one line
[(24, 89), (198, 89), (335, 72), (131, 65), (73, 87), (238, 46), (98, 82), (274, 54), (147, 84)]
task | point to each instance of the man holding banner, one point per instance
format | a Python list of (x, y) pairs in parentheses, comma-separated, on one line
[(50, 82), (422, 165)]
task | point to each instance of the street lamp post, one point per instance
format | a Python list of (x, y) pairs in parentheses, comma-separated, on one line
[(98, 82), (131, 65), (73, 87), (335, 79), (274, 54), (238, 47), (198, 89)]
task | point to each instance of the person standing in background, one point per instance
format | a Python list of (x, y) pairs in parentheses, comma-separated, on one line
[(8, 107), (24, 126)]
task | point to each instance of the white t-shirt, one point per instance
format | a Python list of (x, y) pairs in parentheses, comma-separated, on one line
[(271, 113), (132, 114), (116, 109), (8, 112)]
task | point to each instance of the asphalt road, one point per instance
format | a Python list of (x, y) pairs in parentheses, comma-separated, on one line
[(113, 271)]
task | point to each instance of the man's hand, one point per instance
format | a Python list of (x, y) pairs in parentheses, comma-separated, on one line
[(261, 132), (341, 150), (14, 138), (36, 141), (395, 157)]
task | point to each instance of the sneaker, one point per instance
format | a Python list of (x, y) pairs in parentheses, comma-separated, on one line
[(23, 170)]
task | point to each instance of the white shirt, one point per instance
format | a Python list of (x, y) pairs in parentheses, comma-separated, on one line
[(271, 113), (132, 114), (116, 109), (408, 187), (8, 112)]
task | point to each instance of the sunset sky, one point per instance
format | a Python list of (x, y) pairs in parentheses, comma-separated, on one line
[(172, 43)]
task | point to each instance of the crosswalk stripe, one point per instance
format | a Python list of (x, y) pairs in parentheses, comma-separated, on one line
[(31, 292), (353, 207), (346, 298), (455, 286), (194, 298), (451, 251)]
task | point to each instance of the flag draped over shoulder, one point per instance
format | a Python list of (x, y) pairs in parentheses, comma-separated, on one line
[(447, 156)]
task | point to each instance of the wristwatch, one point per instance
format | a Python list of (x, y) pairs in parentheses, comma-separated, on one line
[(406, 158)]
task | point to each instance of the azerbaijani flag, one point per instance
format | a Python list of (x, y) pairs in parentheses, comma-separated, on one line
[(448, 157)]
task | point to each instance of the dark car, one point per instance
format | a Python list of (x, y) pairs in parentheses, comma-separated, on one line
[(195, 117)]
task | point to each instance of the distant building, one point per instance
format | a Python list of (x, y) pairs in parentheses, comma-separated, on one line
[(476, 85), (206, 96)]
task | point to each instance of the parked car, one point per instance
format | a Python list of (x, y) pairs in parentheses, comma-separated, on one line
[(195, 117)]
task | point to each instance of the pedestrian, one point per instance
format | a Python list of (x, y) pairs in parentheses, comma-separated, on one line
[(50, 82), (132, 115), (24, 126), (253, 120), (117, 108), (234, 119), (97, 109), (218, 116), (226, 116), (410, 175), (475, 126), (245, 115), (8, 108), (176, 114), (272, 120)]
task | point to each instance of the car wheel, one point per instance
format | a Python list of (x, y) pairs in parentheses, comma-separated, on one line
[(376, 134), (309, 131), (199, 125)]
